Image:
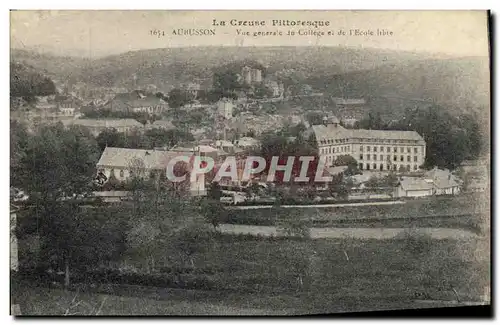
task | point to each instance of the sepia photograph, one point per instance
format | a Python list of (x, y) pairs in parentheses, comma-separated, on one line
[(249, 163)]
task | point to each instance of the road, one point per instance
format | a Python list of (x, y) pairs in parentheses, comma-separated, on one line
[(332, 205), (356, 233)]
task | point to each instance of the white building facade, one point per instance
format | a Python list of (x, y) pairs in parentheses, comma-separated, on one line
[(373, 149), (225, 108)]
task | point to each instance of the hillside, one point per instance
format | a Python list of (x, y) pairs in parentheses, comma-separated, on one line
[(56, 67), (26, 81), (166, 67), (460, 83), (390, 80)]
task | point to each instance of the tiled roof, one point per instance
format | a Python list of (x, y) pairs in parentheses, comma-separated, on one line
[(416, 184), (107, 123), (162, 124), (124, 157), (331, 131)]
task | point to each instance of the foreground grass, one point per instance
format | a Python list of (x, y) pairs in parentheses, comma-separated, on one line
[(44, 301), (256, 276)]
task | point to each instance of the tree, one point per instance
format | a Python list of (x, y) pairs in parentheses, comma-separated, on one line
[(72, 238), (214, 212), (192, 239), (178, 98), (27, 83), (315, 118), (111, 138), (58, 162), (214, 191), (350, 162), (18, 143)]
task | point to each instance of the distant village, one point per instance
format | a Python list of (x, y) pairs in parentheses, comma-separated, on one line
[(234, 125)]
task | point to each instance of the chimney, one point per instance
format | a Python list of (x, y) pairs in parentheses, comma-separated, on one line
[(325, 121)]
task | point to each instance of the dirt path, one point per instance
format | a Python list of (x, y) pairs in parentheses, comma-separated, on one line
[(332, 205), (356, 233)]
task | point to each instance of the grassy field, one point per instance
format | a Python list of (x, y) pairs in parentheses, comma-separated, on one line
[(463, 211), (261, 276)]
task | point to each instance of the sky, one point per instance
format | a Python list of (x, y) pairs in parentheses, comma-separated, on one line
[(100, 33)]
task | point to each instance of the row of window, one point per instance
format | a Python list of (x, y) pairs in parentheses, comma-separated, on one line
[(388, 157), (394, 149), (401, 167), (331, 141), (335, 149)]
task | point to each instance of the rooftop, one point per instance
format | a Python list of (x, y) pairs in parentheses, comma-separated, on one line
[(332, 131), (126, 158), (105, 123)]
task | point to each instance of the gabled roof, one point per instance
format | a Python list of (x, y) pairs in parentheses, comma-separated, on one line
[(330, 131), (163, 124), (416, 184), (106, 123), (126, 158)]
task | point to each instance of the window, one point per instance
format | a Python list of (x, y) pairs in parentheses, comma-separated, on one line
[(415, 158), (330, 150), (408, 158), (374, 166), (122, 174), (388, 167), (415, 150), (381, 149), (402, 158), (368, 157), (361, 148), (395, 158), (374, 149), (361, 166), (388, 149), (374, 157), (408, 149), (401, 149), (367, 166), (381, 167), (368, 148), (361, 157), (395, 149), (408, 167), (414, 167)]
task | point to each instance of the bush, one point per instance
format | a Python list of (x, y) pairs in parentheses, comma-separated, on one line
[(414, 242)]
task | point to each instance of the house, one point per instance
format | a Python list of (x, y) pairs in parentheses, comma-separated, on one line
[(161, 124), (225, 145), (136, 102), (192, 89), (96, 126), (248, 143), (445, 182), (414, 187), (435, 182), (67, 109), (122, 164)]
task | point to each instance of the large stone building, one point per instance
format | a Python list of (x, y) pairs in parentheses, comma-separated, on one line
[(373, 149), (96, 126), (123, 163), (225, 108), (250, 75)]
